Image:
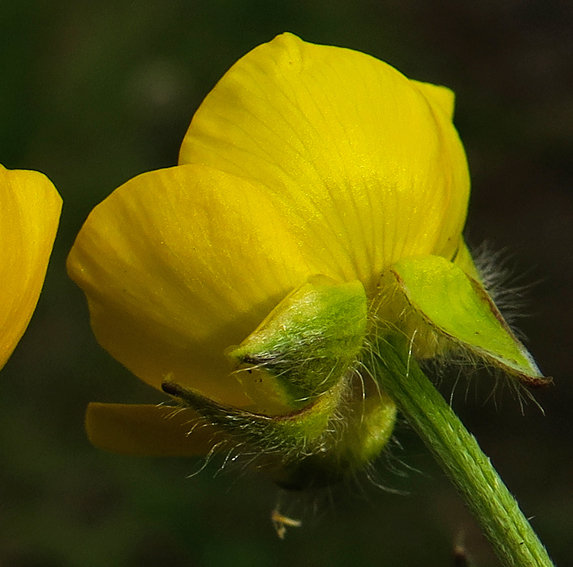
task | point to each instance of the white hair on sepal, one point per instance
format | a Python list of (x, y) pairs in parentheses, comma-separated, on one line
[(506, 287), (389, 465), (503, 282), (465, 369)]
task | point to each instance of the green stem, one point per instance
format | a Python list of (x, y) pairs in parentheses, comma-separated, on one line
[(459, 454)]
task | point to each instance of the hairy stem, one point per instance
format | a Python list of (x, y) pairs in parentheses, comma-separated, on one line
[(459, 454)]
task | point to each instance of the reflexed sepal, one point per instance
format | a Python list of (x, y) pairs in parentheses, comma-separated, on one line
[(358, 434), (458, 308), (309, 341), (335, 421), (334, 436), (291, 436)]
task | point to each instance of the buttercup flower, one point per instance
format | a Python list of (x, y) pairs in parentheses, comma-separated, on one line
[(315, 184), (29, 215)]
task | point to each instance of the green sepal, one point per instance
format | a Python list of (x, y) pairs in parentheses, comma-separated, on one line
[(325, 442), (290, 436), (358, 434), (308, 342), (459, 308), (307, 353)]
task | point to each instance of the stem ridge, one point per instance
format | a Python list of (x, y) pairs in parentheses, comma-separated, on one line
[(459, 454)]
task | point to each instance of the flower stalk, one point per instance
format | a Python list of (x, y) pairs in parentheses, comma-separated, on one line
[(460, 456)]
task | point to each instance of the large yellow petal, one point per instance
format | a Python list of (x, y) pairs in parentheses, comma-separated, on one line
[(364, 164), (29, 214), (179, 264)]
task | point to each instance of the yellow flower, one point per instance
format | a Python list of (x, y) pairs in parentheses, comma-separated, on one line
[(307, 168), (29, 216)]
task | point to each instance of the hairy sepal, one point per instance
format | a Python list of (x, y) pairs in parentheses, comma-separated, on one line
[(309, 341), (456, 307), (336, 420)]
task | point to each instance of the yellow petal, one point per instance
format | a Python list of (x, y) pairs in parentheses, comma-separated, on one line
[(364, 164), (152, 431), (441, 97), (179, 264), (29, 214)]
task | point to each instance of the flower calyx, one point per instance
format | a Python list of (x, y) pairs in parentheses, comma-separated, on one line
[(336, 420)]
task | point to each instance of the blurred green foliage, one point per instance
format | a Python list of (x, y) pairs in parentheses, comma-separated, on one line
[(93, 93)]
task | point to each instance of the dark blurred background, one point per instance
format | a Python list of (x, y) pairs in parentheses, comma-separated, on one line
[(93, 93)]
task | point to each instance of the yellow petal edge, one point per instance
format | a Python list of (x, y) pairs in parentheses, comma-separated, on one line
[(30, 210)]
